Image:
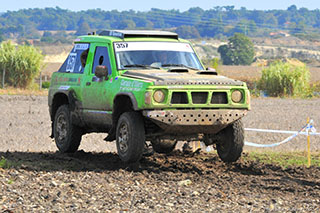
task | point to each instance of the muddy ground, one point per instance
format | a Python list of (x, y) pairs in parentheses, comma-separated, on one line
[(94, 179)]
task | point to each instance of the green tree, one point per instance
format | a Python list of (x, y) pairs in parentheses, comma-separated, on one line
[(47, 37), (83, 29), (210, 28), (238, 51), (298, 28), (185, 31), (215, 22), (127, 24)]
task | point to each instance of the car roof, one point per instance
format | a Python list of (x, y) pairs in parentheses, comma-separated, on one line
[(129, 35)]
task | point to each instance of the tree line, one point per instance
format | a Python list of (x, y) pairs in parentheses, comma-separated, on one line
[(194, 23)]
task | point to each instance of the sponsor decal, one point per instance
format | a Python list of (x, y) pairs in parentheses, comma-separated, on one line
[(70, 81), (71, 62), (131, 85), (64, 87)]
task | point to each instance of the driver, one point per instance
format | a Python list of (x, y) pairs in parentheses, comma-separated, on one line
[(160, 58), (163, 57)]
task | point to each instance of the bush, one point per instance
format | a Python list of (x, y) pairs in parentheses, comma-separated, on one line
[(212, 63), (285, 79), (22, 64), (46, 85)]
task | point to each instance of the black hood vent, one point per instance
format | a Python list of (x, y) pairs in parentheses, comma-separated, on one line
[(178, 70), (207, 72)]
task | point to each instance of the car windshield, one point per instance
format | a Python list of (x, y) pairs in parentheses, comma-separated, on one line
[(155, 55)]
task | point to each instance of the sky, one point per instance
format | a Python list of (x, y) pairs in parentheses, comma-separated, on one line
[(146, 5)]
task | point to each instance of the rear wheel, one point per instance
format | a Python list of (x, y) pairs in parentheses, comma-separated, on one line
[(163, 146), (231, 142), (67, 136), (130, 137)]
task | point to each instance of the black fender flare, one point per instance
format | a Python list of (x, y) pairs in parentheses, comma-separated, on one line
[(112, 133), (132, 98)]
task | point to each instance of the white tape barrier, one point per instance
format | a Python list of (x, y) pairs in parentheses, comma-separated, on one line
[(308, 129)]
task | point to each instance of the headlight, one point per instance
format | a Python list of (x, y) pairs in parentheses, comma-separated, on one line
[(158, 96), (236, 96)]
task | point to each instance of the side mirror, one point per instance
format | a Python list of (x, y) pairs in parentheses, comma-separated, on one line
[(101, 72)]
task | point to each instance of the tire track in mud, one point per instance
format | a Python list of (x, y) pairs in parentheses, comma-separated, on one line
[(177, 181), (41, 179)]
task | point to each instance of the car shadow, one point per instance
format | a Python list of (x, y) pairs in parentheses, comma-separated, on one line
[(98, 162), (195, 165)]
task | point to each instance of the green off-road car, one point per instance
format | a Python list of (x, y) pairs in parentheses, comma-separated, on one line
[(140, 86)]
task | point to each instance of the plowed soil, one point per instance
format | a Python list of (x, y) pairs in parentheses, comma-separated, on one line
[(38, 179)]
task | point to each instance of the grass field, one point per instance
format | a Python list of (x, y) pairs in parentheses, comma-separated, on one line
[(283, 159)]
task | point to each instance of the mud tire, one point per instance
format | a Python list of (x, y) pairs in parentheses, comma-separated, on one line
[(163, 146), (232, 140), (130, 137), (67, 135)]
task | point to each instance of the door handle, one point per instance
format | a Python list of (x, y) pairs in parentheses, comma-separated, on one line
[(88, 83)]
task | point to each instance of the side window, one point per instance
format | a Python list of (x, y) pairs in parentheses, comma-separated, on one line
[(101, 58), (76, 60)]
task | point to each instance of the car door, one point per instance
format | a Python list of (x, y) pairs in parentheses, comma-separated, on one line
[(96, 91)]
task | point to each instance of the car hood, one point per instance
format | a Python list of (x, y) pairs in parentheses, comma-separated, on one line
[(182, 77)]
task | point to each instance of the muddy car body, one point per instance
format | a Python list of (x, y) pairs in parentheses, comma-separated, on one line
[(142, 86)]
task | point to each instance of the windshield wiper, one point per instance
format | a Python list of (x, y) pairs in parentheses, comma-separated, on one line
[(178, 65), (141, 66)]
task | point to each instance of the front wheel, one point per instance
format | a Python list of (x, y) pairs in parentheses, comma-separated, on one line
[(67, 136), (130, 137), (231, 142)]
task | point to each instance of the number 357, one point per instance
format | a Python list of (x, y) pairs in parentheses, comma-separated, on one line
[(122, 45)]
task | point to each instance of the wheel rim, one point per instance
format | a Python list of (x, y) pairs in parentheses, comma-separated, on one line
[(61, 128), (123, 137)]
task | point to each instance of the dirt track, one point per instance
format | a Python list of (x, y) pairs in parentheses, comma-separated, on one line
[(25, 124), (96, 180)]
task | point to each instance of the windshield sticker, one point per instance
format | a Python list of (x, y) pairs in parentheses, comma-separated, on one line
[(121, 45), (71, 62), (80, 47), (162, 46)]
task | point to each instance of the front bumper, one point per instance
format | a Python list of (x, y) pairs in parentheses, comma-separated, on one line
[(194, 121)]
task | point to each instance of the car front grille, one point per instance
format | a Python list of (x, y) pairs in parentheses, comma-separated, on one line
[(219, 98), (199, 97), (179, 98)]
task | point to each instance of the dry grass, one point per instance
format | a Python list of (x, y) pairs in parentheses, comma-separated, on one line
[(253, 73), (16, 91)]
